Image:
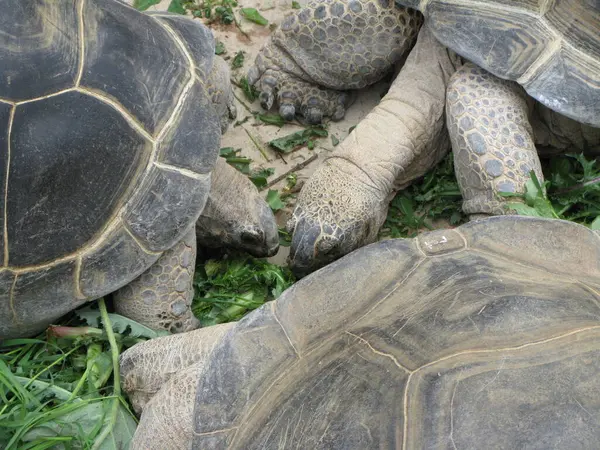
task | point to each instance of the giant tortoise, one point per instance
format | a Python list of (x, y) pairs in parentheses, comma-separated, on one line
[(110, 123), (527, 73), (486, 336)]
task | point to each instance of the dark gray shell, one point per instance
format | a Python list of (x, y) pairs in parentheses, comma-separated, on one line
[(482, 337), (107, 141), (552, 48)]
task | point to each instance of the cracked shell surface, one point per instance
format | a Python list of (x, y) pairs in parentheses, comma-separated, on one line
[(483, 336), (97, 176)]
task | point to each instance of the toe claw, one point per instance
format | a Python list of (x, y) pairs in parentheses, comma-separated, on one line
[(266, 99), (314, 116), (287, 111)]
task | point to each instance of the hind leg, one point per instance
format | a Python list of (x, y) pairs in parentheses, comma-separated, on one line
[(492, 139), (161, 297), (328, 47)]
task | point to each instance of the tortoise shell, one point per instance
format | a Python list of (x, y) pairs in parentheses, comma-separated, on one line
[(484, 336), (551, 48), (107, 141)]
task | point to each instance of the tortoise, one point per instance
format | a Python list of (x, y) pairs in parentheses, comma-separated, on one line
[(110, 124), (483, 336), (493, 80)]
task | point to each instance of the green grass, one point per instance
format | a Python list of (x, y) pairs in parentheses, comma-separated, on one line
[(432, 202), (227, 289), (62, 389), (571, 191)]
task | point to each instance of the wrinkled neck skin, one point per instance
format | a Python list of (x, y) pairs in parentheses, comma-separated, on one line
[(236, 216), (405, 135)]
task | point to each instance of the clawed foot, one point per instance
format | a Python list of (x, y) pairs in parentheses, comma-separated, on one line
[(295, 96)]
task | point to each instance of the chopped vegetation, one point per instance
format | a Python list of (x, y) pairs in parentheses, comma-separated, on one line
[(212, 10), (428, 203), (229, 288), (291, 142), (220, 48), (241, 163), (571, 191), (238, 60), (253, 15), (274, 200), (296, 5), (62, 389), (249, 91), (143, 5), (271, 119)]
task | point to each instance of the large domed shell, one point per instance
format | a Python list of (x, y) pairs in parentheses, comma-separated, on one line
[(485, 336), (107, 141), (552, 48)]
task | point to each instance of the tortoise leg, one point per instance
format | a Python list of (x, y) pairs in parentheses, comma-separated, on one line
[(492, 139), (344, 203), (146, 367), (329, 47), (161, 297)]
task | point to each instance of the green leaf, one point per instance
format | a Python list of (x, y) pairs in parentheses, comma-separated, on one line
[(271, 119), (274, 200), (119, 323), (524, 210), (228, 288), (334, 140), (595, 225), (143, 5), (295, 5), (238, 60), (285, 238), (85, 420), (259, 177), (220, 48), (249, 91), (253, 15), (176, 6), (298, 139)]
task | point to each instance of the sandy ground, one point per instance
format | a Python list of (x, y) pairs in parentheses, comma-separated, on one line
[(251, 134)]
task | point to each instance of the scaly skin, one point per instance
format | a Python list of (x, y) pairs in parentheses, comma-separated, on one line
[(343, 205), (492, 139), (328, 47), (161, 297), (160, 378)]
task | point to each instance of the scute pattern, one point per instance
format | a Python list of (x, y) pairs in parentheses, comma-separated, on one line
[(159, 221), (40, 297), (104, 104), (504, 44), (192, 151), (44, 37), (492, 139), (553, 383), (353, 399), (5, 112), (66, 182), (122, 48), (551, 48), (457, 335)]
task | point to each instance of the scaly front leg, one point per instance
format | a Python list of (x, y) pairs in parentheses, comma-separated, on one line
[(343, 205)]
